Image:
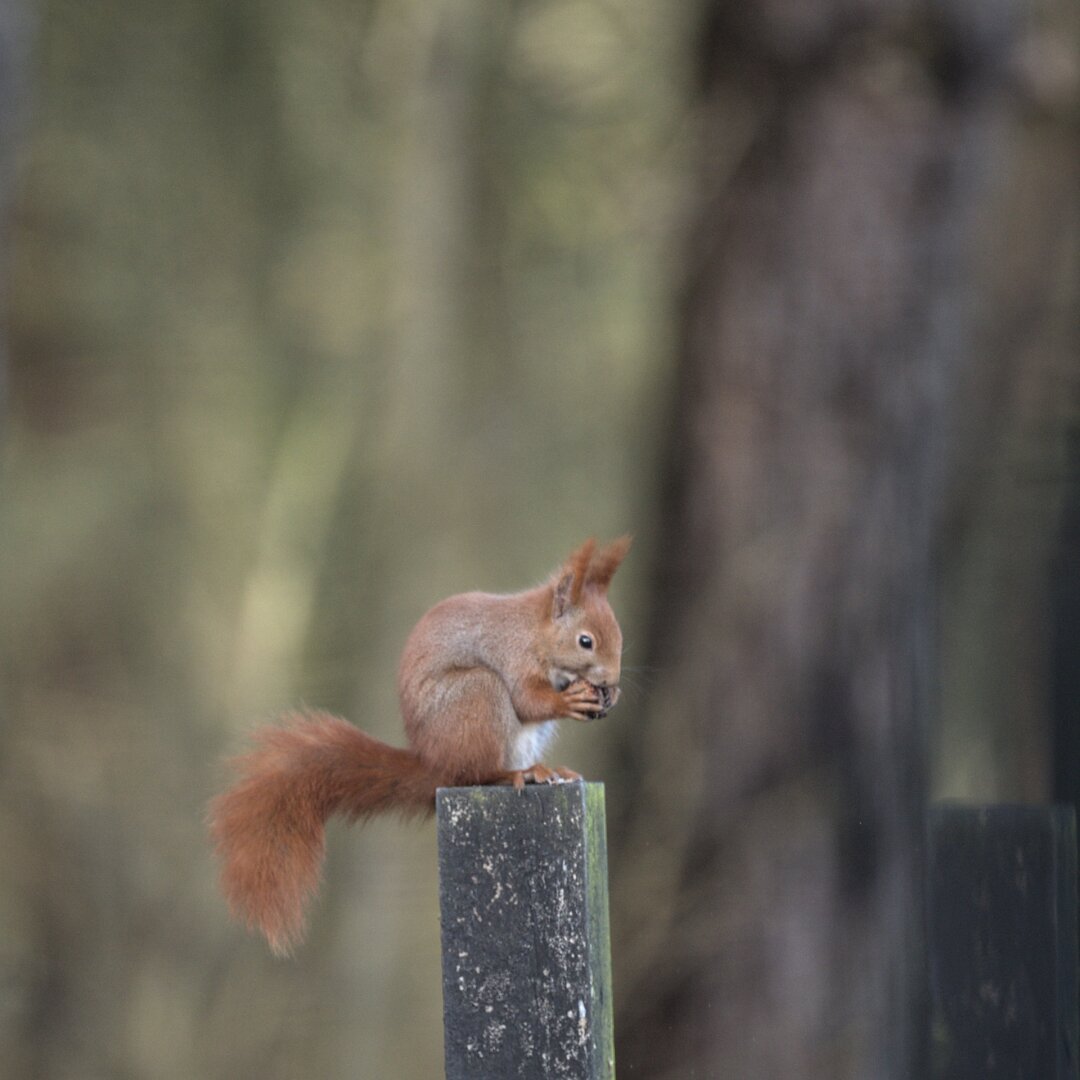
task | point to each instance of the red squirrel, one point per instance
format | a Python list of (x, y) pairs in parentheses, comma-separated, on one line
[(482, 681)]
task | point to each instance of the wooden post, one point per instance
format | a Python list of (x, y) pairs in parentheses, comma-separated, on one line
[(525, 945), (1002, 929)]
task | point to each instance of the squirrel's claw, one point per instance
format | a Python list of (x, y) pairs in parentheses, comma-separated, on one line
[(540, 774)]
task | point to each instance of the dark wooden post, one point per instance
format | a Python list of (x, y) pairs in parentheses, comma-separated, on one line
[(1002, 928), (525, 944)]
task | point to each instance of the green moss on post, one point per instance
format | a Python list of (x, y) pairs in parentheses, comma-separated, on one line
[(525, 938)]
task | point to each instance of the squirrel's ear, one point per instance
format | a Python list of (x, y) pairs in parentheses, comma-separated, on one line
[(570, 579), (606, 561)]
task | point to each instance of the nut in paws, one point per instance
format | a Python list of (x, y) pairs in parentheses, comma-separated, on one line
[(608, 695)]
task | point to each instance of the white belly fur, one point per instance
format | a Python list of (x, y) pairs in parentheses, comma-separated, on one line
[(532, 743)]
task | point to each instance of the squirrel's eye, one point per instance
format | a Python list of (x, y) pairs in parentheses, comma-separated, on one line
[(585, 641)]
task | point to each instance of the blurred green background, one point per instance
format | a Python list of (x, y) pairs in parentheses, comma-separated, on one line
[(319, 312)]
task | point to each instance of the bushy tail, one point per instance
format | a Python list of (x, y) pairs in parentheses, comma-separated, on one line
[(268, 829)]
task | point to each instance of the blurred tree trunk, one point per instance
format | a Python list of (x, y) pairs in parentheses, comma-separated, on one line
[(824, 332), (1004, 589)]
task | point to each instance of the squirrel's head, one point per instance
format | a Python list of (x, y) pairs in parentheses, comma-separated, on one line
[(586, 642)]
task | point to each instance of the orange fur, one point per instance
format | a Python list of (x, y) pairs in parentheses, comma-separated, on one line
[(268, 828)]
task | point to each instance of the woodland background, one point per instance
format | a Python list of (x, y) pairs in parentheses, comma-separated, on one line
[(318, 312)]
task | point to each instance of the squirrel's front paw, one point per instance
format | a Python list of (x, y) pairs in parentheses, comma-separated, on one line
[(581, 701)]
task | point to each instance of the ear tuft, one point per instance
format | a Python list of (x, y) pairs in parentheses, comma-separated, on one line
[(570, 579), (606, 561)]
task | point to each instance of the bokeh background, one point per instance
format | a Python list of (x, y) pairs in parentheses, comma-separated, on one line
[(316, 312)]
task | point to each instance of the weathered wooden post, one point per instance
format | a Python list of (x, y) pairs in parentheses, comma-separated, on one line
[(525, 943), (1002, 942)]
